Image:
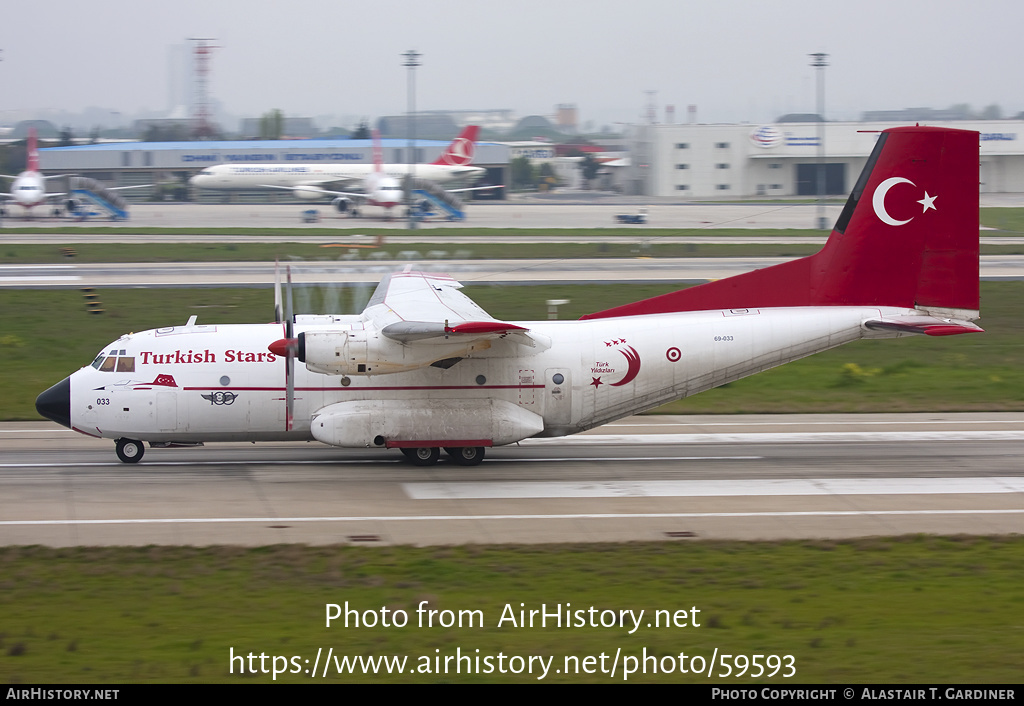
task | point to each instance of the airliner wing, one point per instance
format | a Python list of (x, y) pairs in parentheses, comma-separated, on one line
[(47, 196), (475, 188), (419, 307), (318, 190)]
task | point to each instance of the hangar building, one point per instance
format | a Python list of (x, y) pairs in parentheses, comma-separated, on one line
[(780, 159)]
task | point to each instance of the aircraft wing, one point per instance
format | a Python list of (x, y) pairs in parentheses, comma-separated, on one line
[(419, 307), (475, 188), (48, 195), (317, 189)]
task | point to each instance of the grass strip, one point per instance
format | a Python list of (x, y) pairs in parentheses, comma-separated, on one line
[(913, 609)]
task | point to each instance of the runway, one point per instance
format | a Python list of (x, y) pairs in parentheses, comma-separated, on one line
[(644, 478)]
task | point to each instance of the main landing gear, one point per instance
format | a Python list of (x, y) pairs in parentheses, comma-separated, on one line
[(428, 455), (129, 450)]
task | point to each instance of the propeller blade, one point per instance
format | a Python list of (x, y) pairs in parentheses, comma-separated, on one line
[(278, 312), (289, 400), (289, 363), (289, 314)]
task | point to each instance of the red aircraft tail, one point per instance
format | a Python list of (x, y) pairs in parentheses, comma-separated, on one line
[(462, 149), (378, 152), (32, 162), (907, 237)]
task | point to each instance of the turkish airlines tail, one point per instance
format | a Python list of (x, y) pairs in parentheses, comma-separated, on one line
[(378, 152), (907, 237), (460, 152), (32, 164)]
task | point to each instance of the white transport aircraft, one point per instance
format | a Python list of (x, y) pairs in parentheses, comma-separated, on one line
[(423, 368), (380, 183), (29, 187)]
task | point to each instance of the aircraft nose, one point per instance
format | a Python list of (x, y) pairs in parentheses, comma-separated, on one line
[(55, 403)]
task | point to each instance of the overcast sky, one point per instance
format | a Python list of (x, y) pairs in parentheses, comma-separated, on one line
[(736, 61)]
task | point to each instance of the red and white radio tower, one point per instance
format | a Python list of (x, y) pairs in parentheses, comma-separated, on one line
[(201, 104)]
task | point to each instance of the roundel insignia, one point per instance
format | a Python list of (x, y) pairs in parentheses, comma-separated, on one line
[(673, 354)]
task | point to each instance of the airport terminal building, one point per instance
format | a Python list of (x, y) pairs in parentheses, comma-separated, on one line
[(674, 162), (779, 159), (134, 163)]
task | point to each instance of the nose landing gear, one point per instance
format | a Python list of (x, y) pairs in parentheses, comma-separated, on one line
[(129, 450)]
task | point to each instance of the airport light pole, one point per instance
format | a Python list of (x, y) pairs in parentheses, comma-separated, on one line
[(411, 62), (820, 61)]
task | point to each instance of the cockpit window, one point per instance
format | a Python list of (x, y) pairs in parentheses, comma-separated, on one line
[(108, 365), (126, 364), (99, 360)]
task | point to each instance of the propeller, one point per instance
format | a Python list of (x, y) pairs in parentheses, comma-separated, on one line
[(286, 347), (289, 362), (278, 313)]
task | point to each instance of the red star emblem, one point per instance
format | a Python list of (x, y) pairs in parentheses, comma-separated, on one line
[(596, 381)]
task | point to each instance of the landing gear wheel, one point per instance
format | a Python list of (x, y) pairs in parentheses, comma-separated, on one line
[(423, 456), (466, 455), (129, 450)]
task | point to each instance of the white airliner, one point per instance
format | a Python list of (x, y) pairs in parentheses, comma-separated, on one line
[(423, 368), (29, 187), (311, 182)]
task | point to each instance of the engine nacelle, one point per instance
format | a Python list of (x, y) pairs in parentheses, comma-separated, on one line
[(359, 351), (307, 194), (342, 203), (435, 422)]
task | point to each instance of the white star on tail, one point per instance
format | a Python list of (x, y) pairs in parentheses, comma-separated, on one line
[(928, 202)]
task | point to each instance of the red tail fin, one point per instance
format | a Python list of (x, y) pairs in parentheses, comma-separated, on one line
[(378, 152), (32, 162), (462, 149), (908, 237)]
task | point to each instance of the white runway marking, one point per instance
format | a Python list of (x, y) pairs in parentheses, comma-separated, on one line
[(442, 518), (858, 422), (781, 438), (713, 488), (383, 459)]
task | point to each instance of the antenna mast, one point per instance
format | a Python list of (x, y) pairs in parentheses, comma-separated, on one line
[(201, 113)]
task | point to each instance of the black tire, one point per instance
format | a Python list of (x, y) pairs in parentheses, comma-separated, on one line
[(466, 455), (423, 456), (129, 450)]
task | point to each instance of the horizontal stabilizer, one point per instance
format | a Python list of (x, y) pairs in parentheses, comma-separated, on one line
[(928, 325)]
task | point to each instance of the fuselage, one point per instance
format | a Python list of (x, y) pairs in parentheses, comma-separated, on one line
[(29, 189), (237, 176), (383, 190), (221, 383)]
